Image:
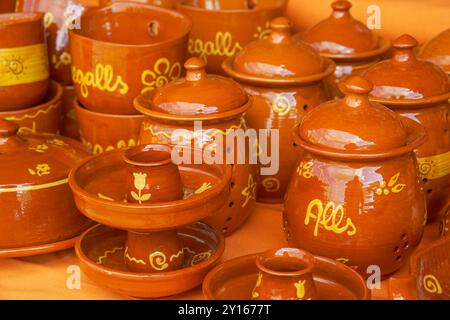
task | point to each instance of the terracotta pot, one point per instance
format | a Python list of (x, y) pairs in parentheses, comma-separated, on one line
[(419, 90), (37, 204), (202, 111), (444, 224), (285, 79), (169, 4), (7, 6), (106, 73), (69, 126), (285, 274), (45, 117), (437, 50), (356, 194), (102, 132), (347, 41), (222, 29), (24, 73)]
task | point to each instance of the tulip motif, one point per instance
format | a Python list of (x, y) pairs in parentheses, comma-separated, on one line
[(140, 181)]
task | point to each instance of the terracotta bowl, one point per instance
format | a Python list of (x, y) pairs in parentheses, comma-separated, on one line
[(223, 31), (102, 132), (69, 127), (107, 74), (24, 72), (45, 117), (235, 280)]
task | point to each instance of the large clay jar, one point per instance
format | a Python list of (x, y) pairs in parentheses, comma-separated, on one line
[(347, 41), (36, 201), (419, 90), (24, 74), (356, 196), (222, 28), (285, 80), (437, 50), (202, 111), (141, 50)]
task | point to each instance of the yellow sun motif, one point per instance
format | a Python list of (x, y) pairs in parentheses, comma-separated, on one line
[(250, 191)]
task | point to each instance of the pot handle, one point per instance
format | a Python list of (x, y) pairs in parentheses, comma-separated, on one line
[(402, 288)]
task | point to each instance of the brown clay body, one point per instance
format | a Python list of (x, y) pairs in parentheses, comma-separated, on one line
[(24, 73), (169, 4), (69, 126), (437, 50), (223, 31), (143, 51), (356, 194)]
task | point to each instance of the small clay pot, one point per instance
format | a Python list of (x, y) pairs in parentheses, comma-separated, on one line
[(106, 73), (69, 127), (223, 30), (101, 132), (45, 117), (285, 274), (24, 72), (437, 51)]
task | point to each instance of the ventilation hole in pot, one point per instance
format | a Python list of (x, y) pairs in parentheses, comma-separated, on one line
[(396, 250), (429, 191), (251, 4), (403, 237), (232, 184), (231, 204), (294, 144), (153, 28), (229, 219), (406, 245), (399, 258), (224, 230), (305, 107), (424, 180)]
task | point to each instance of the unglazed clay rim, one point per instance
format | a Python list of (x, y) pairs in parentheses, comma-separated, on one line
[(329, 68), (169, 12), (141, 148), (182, 4), (17, 20), (264, 255), (80, 108), (417, 131), (410, 102)]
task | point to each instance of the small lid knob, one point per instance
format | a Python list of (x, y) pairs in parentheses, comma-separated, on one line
[(357, 85), (195, 69), (341, 5), (281, 30), (403, 49), (8, 128), (405, 41)]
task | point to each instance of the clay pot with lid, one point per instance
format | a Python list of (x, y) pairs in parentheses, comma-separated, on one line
[(285, 79), (38, 211), (356, 195), (202, 111), (347, 41), (419, 90), (222, 28), (437, 51)]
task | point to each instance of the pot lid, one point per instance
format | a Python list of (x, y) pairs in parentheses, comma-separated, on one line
[(35, 160), (353, 123), (340, 33), (437, 50), (198, 93), (404, 77), (278, 56)]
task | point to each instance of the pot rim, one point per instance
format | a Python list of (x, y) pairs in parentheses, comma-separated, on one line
[(27, 17), (183, 4), (411, 102), (79, 107), (308, 260)]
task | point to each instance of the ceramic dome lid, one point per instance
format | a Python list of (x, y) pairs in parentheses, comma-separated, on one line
[(353, 124), (404, 77), (198, 93), (437, 50), (35, 160)]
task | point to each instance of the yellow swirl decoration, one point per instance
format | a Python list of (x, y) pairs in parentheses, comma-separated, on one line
[(434, 167), (222, 45), (163, 72), (23, 65), (431, 284), (196, 259), (281, 105), (158, 261), (271, 184)]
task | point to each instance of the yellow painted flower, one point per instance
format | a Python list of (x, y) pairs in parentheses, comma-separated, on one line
[(304, 169), (392, 186), (140, 180), (300, 286), (250, 191), (40, 148), (40, 170)]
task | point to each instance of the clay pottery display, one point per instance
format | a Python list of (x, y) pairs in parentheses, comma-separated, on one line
[(102, 132), (202, 111), (222, 28), (38, 210), (285, 80), (124, 261), (69, 126), (437, 50), (347, 41), (45, 117), (419, 90), (24, 74), (7, 6), (143, 50), (169, 4), (428, 277), (356, 195), (243, 279)]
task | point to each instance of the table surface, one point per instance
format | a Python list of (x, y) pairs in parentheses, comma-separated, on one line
[(45, 276)]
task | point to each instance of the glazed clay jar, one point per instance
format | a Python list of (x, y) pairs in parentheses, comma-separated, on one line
[(437, 50), (142, 49), (202, 111), (24, 73), (419, 90), (285, 79), (222, 28), (356, 195), (347, 41), (37, 205)]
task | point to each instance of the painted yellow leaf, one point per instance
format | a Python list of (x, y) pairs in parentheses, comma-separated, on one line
[(398, 188), (135, 196), (146, 197), (393, 180), (32, 172)]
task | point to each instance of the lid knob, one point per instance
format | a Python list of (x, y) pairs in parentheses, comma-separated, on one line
[(8, 128), (357, 85), (403, 49), (281, 30), (195, 69), (341, 5)]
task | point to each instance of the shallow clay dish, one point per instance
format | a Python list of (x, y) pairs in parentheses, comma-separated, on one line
[(107, 74), (223, 30), (236, 279), (437, 50)]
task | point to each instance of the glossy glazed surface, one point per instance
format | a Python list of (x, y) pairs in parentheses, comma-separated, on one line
[(437, 50), (169, 4), (69, 126)]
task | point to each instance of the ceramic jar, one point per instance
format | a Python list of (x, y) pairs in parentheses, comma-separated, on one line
[(356, 194), (419, 90), (437, 50), (203, 111), (36, 201), (285, 79), (143, 50), (24, 73), (347, 41), (222, 28)]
